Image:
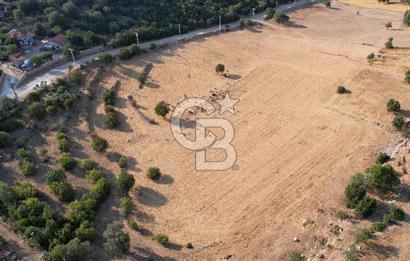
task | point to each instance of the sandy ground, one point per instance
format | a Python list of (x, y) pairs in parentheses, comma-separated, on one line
[(298, 142), (394, 6)]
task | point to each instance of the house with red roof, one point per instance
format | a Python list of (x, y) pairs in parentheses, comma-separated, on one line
[(23, 38)]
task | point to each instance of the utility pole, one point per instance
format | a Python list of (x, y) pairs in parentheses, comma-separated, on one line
[(253, 11), (12, 86), (138, 39), (72, 55), (179, 29), (277, 3), (220, 23)]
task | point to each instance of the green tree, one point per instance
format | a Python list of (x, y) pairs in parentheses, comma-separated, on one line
[(389, 43), (153, 173), (75, 250), (88, 164), (94, 174), (396, 213), (162, 109), (220, 68), (365, 207), (24, 190), (116, 241), (83, 209), (71, 9), (355, 191), (66, 161), (280, 17), (393, 106), (6, 140), (406, 18), (125, 181), (99, 144), (126, 205), (63, 190), (101, 189), (161, 239), (124, 54), (86, 231), (399, 122), (383, 178)]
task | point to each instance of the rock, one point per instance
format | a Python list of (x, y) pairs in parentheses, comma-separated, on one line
[(321, 256), (295, 239)]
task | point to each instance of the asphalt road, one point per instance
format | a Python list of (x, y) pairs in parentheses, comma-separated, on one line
[(62, 70)]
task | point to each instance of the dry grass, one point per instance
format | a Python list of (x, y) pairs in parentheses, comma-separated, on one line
[(394, 5)]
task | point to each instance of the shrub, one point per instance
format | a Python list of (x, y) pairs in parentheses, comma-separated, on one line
[(152, 46), (399, 122), (101, 189), (355, 191), (341, 90), (88, 164), (27, 167), (55, 176), (66, 161), (389, 43), (111, 120), (378, 226), (99, 144), (124, 54), (396, 213), (22, 153), (125, 181), (352, 254), (189, 245), (393, 106), (107, 58), (126, 205), (154, 173), (161, 239), (220, 68), (63, 190), (342, 215), (406, 17), (116, 241), (62, 141), (296, 256), (122, 162), (141, 78), (6, 140), (269, 12), (371, 56), (86, 231), (37, 110), (81, 210), (365, 207), (24, 190), (134, 225), (327, 3), (135, 50), (382, 158), (161, 109), (280, 17), (108, 97), (94, 174), (9, 125), (388, 25), (383, 178), (362, 235), (77, 77), (74, 250)]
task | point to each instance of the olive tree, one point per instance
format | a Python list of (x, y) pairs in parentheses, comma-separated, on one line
[(116, 241)]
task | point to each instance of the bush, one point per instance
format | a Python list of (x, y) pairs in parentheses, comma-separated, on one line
[(383, 178), (341, 90), (22, 153), (189, 245), (24, 190), (406, 17), (220, 68), (122, 162), (37, 110), (101, 189), (99, 144), (55, 176), (269, 12), (108, 97), (296, 256), (125, 181), (6, 140), (135, 50), (371, 56), (162, 239), (88, 164), (77, 77), (94, 174), (342, 215), (124, 54), (66, 162), (141, 78), (280, 17), (111, 120), (382, 158), (365, 207), (126, 205), (355, 191), (86, 231), (154, 173), (74, 250), (62, 141), (10, 125), (378, 226), (116, 241), (134, 225), (107, 58), (152, 46), (362, 235), (389, 43), (393, 106), (63, 190), (352, 254), (162, 109), (82, 210), (399, 122), (395, 213), (328, 3), (27, 167)]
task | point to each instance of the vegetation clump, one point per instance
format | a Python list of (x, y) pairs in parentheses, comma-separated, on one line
[(66, 161), (162, 109), (153, 173), (99, 144), (393, 106), (280, 18), (161, 239), (116, 241), (125, 181)]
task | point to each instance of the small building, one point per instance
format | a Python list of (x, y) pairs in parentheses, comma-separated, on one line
[(55, 43), (24, 39)]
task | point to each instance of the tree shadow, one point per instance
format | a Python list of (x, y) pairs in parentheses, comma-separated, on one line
[(165, 180), (295, 25), (144, 217), (384, 251), (150, 197), (146, 254), (233, 76), (185, 123), (403, 193)]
